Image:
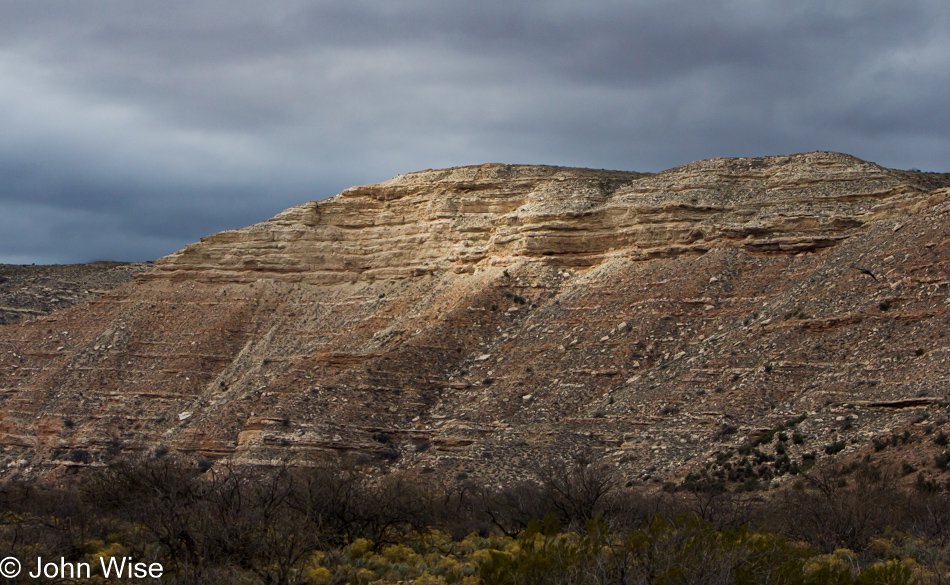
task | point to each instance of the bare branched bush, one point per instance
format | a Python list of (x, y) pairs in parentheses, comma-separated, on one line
[(579, 490), (334, 521)]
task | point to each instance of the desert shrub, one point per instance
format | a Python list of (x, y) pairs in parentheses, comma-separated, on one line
[(941, 439), (80, 456), (577, 492), (925, 484), (423, 446), (330, 522), (831, 513), (685, 550), (835, 448)]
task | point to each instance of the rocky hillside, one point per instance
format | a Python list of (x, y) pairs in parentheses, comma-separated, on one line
[(40, 290), (742, 317)]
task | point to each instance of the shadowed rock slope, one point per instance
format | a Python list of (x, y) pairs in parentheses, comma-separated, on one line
[(480, 319), (39, 290)]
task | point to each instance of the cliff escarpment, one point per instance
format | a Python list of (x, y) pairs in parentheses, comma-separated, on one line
[(477, 319), (457, 219)]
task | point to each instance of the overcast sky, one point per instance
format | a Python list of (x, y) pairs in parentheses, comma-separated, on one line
[(128, 128)]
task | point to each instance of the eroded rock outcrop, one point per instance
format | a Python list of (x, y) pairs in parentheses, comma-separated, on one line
[(476, 318), (454, 219)]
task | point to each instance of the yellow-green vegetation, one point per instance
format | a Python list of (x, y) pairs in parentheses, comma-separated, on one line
[(333, 524), (685, 550)]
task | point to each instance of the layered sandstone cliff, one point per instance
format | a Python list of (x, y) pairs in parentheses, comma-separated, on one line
[(453, 220), (477, 319)]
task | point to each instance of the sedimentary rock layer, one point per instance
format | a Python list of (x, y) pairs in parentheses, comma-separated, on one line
[(455, 219), (479, 318)]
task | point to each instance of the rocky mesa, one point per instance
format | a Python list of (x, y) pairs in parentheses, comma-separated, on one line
[(759, 313)]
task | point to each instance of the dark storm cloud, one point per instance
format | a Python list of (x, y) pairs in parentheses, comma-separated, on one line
[(129, 129)]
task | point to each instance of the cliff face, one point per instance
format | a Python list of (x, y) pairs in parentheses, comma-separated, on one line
[(478, 318), (459, 219)]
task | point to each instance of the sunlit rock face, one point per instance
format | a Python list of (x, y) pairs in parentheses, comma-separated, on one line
[(458, 219), (481, 318)]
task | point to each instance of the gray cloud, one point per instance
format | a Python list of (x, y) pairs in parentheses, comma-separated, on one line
[(130, 129)]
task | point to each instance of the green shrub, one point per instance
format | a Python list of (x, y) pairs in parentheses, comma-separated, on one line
[(892, 572), (835, 448)]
